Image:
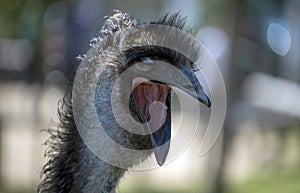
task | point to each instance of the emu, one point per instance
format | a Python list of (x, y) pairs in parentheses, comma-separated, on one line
[(72, 166)]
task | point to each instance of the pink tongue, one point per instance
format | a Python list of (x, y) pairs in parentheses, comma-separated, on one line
[(151, 98), (158, 113)]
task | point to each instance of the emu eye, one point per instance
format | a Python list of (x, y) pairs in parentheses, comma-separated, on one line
[(145, 65)]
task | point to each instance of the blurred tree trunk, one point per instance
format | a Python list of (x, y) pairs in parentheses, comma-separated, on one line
[(224, 14)]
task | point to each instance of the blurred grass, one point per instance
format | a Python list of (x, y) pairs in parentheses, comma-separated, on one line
[(146, 189), (280, 181), (275, 182), (5, 190), (285, 181), (193, 187)]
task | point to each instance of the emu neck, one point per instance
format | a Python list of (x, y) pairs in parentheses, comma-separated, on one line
[(71, 166), (95, 175), (101, 177), (108, 180)]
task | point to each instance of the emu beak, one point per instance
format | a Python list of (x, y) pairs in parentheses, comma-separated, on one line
[(152, 100), (201, 96)]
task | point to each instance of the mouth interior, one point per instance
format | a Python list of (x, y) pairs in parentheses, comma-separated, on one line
[(152, 99)]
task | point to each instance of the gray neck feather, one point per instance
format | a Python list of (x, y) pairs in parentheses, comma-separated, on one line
[(71, 166), (96, 176)]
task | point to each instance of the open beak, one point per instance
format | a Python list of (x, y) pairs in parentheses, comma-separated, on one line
[(152, 101)]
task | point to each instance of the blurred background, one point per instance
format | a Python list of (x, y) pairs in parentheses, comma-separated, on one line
[(256, 44)]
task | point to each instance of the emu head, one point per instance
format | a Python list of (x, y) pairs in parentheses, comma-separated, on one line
[(129, 74)]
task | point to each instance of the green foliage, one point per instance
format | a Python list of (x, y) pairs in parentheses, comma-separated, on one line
[(22, 18), (276, 182)]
